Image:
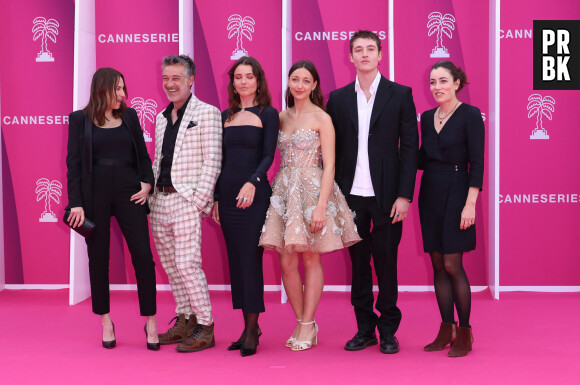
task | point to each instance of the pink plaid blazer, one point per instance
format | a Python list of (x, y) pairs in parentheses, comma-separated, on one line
[(197, 155)]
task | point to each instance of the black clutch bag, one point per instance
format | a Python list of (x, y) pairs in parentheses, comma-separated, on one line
[(86, 229)]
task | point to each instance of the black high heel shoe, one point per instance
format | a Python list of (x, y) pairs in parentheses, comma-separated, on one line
[(110, 344), (245, 351), (237, 345), (151, 345)]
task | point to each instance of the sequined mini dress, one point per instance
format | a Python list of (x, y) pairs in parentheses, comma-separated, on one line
[(295, 193)]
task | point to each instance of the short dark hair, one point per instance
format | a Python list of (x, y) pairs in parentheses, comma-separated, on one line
[(263, 98), (184, 60), (103, 88), (455, 71), (316, 94), (364, 34)]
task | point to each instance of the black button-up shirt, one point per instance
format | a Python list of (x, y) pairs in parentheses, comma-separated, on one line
[(169, 143)]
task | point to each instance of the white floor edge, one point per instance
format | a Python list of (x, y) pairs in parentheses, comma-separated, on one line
[(335, 288)]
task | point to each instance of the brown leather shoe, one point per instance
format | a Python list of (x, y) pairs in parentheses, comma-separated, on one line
[(201, 338), (446, 335), (181, 329), (189, 326), (463, 343)]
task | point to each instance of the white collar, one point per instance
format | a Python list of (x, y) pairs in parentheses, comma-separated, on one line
[(372, 88)]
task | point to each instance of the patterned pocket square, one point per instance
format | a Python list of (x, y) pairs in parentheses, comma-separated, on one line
[(193, 123)]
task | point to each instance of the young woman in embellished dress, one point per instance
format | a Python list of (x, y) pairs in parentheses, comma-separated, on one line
[(308, 215)]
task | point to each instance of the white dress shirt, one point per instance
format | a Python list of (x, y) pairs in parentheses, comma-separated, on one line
[(362, 184)]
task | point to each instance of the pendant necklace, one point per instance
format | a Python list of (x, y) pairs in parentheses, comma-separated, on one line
[(441, 119)]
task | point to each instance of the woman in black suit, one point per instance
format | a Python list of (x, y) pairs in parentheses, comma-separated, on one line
[(452, 148), (243, 191), (109, 174)]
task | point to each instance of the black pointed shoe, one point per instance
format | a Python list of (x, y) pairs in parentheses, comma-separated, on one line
[(237, 345), (250, 350), (151, 345), (110, 344)]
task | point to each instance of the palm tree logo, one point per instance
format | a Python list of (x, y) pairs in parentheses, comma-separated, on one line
[(440, 24), (540, 106), (45, 29), (49, 191), (241, 27), (146, 110)]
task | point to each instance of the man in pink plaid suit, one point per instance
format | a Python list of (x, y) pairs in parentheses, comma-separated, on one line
[(188, 154)]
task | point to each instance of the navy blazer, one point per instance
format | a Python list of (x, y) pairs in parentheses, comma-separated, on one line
[(393, 140), (79, 159)]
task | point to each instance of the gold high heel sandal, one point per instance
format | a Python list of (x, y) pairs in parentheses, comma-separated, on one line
[(290, 341), (305, 345)]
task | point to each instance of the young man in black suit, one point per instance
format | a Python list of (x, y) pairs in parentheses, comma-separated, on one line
[(376, 163)]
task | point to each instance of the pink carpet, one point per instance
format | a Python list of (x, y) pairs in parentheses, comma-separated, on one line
[(526, 338)]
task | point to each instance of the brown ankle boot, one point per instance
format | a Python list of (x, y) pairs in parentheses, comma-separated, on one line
[(201, 338), (445, 336), (462, 344), (189, 326), (181, 329)]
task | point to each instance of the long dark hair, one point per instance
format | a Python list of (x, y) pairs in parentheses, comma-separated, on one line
[(455, 71), (262, 99), (316, 94), (103, 94)]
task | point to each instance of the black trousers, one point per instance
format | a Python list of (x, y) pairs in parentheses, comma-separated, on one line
[(112, 189), (382, 244)]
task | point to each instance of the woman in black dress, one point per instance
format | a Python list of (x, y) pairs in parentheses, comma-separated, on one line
[(109, 174), (452, 148), (249, 142)]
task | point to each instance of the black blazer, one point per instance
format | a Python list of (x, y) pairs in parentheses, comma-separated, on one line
[(79, 159), (393, 168)]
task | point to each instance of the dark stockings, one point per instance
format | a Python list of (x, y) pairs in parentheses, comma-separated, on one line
[(241, 339), (451, 287), (250, 335)]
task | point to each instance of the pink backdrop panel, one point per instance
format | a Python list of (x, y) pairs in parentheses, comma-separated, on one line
[(223, 32), (465, 43), (474, 34), (540, 196), (36, 77), (321, 32), (135, 46)]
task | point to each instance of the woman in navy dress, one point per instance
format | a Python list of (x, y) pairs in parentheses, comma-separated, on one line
[(243, 191), (452, 148)]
